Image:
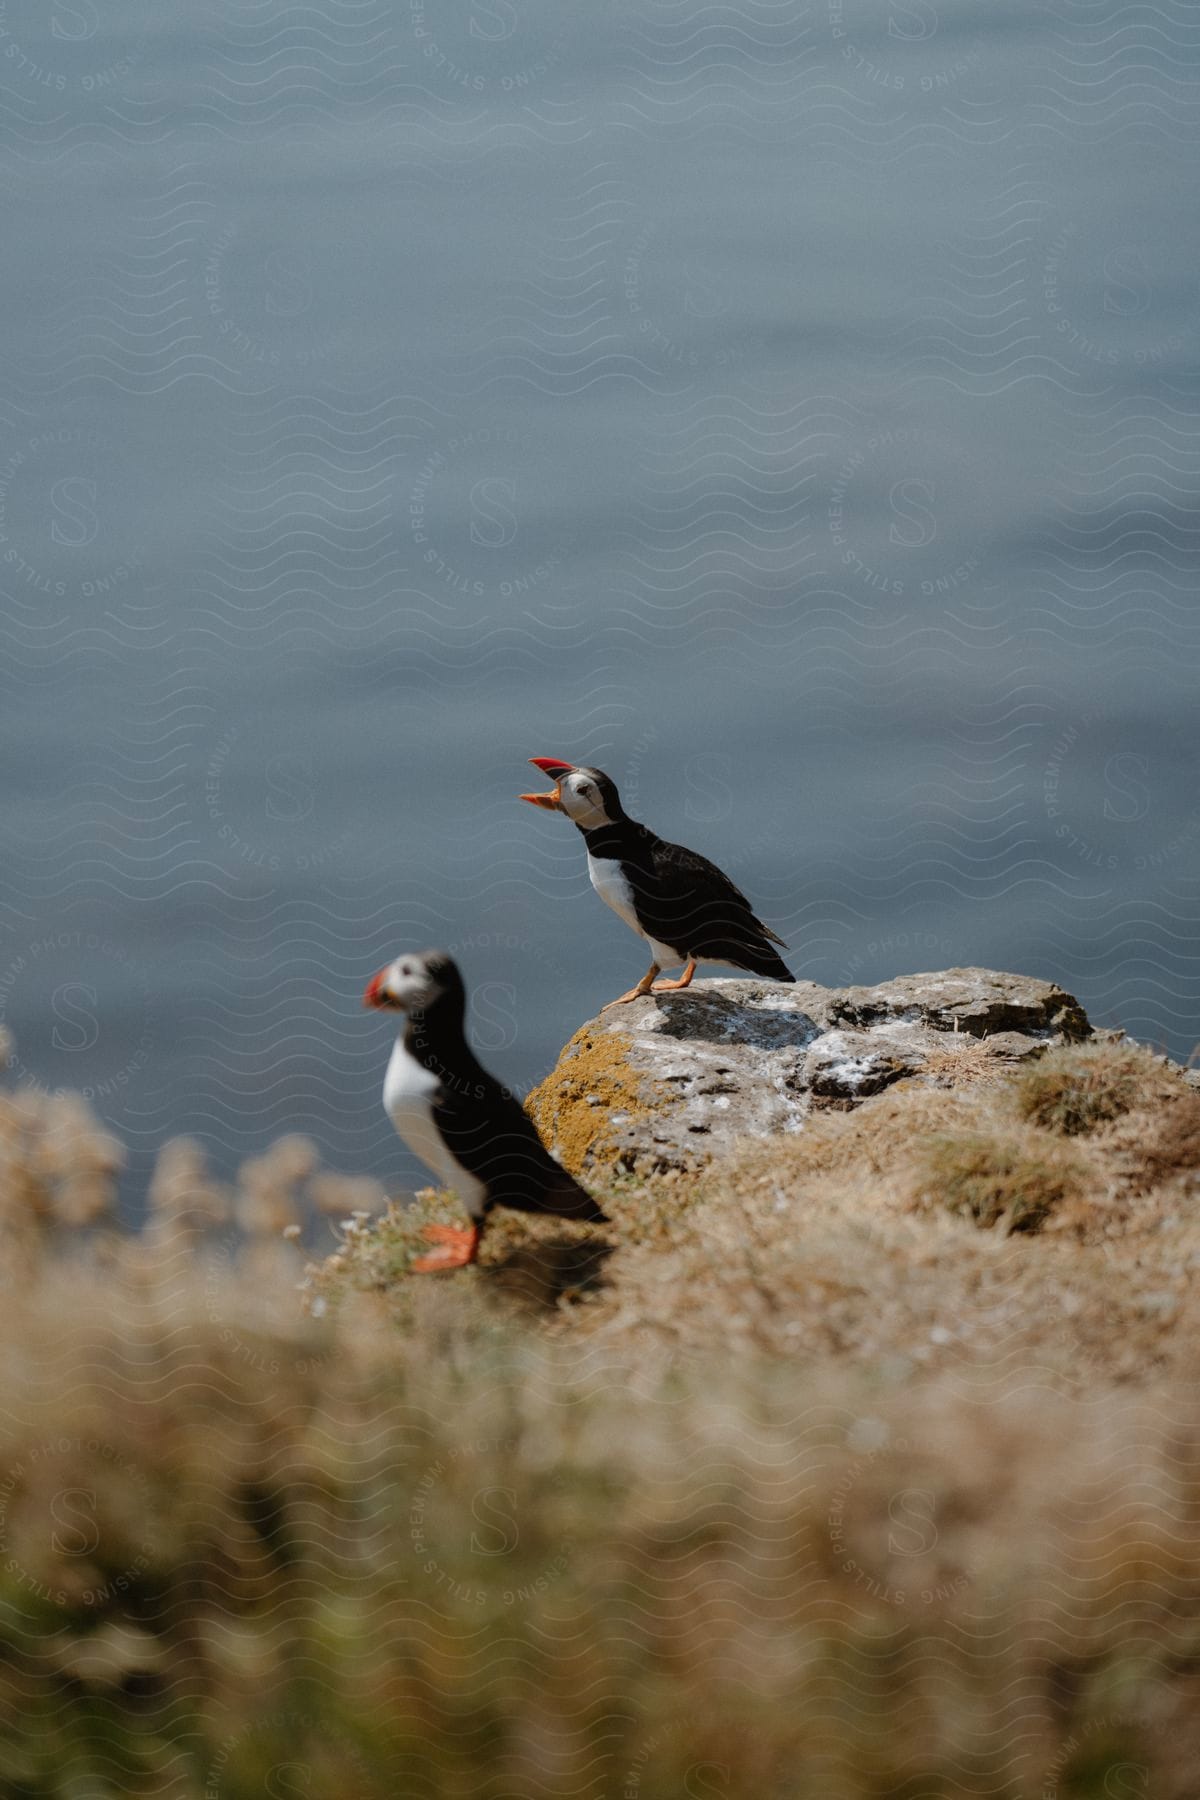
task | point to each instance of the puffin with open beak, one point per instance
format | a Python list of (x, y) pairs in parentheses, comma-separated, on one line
[(471, 1132), (684, 907)]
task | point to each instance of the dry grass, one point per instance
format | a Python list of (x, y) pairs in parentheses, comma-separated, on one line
[(462, 1559), (998, 1179), (1168, 1150), (808, 1487), (1074, 1089)]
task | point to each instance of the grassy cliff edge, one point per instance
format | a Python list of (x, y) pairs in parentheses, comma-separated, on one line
[(863, 1463)]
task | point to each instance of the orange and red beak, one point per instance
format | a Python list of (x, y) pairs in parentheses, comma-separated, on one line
[(373, 993), (555, 768)]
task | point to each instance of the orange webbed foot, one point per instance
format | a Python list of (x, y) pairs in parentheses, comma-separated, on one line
[(457, 1247), (681, 981), (635, 993)]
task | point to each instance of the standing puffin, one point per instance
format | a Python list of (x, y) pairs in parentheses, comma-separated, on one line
[(451, 1113), (684, 907)]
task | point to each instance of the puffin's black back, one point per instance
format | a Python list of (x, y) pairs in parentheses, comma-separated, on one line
[(484, 1127), (492, 1134), (683, 900), (494, 1138)]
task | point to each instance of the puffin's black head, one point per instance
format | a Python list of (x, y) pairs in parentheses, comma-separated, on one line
[(415, 983), (589, 797)]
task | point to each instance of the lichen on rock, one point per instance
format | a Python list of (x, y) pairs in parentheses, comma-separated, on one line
[(594, 1089)]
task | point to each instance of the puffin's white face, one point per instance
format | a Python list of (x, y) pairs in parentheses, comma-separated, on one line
[(406, 985), (578, 791), (580, 798)]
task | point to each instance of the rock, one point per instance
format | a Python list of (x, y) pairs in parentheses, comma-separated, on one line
[(850, 1065), (978, 1001), (674, 1079), (667, 1081)]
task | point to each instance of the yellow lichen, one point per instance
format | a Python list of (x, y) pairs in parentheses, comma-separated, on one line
[(594, 1079)]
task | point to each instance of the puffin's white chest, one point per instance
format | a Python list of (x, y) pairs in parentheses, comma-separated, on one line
[(608, 878), (409, 1091)]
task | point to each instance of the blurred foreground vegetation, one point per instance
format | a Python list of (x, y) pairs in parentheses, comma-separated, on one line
[(629, 1533)]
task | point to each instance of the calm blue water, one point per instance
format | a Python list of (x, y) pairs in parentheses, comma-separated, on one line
[(794, 410)]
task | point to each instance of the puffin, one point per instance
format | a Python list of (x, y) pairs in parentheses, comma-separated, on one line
[(685, 908), (471, 1132)]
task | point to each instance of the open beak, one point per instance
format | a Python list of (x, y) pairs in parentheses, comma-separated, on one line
[(374, 993), (555, 769)]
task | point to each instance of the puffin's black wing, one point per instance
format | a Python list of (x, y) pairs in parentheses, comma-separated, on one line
[(495, 1140), (686, 901)]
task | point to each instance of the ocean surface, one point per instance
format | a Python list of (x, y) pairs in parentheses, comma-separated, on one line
[(793, 410)]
